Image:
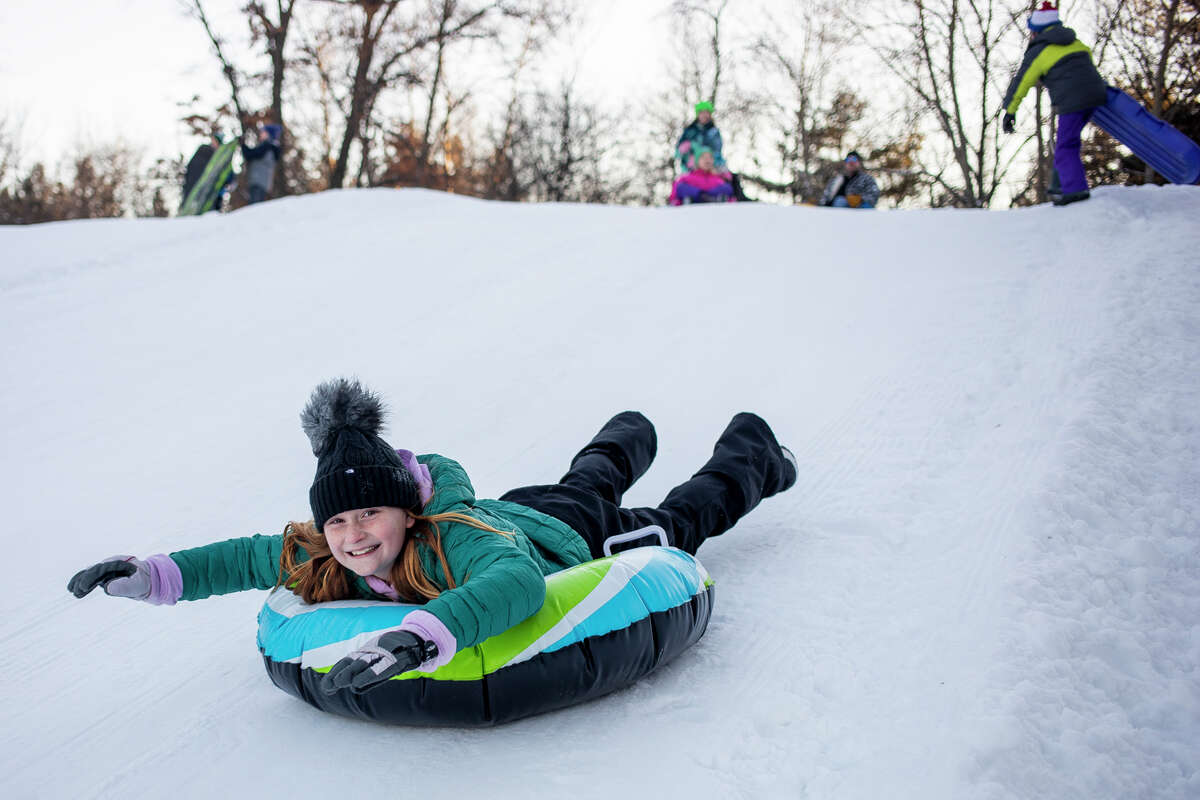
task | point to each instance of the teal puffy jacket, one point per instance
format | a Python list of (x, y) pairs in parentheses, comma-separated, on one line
[(500, 580)]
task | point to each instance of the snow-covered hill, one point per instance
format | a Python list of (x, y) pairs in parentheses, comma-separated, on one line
[(986, 583)]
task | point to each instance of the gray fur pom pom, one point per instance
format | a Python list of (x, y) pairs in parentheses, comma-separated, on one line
[(339, 404)]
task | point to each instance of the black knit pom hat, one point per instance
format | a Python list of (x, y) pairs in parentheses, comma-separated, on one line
[(355, 468)]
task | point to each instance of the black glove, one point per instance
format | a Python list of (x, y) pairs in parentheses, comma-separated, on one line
[(116, 567), (381, 658), (1009, 123)]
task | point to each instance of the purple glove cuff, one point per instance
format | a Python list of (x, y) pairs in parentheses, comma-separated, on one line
[(431, 629), (420, 473), (166, 581)]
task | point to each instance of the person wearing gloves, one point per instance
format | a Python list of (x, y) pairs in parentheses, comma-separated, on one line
[(1064, 65), (702, 132), (261, 160), (391, 525), (702, 135), (703, 184), (852, 187)]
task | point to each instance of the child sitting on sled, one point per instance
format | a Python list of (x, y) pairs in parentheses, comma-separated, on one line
[(704, 184), (388, 525)]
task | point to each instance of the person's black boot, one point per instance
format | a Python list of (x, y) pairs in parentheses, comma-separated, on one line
[(1054, 191), (790, 458), (1071, 197)]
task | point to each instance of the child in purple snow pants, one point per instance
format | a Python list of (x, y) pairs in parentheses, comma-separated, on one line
[(1066, 151), (1063, 64)]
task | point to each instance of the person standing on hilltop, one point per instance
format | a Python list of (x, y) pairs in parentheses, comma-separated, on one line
[(1057, 59), (261, 160)]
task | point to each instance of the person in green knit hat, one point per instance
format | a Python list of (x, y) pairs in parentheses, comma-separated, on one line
[(388, 524), (702, 132)]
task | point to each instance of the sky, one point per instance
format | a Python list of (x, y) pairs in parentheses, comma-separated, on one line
[(91, 72)]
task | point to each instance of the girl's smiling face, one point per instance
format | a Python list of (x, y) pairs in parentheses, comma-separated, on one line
[(368, 541)]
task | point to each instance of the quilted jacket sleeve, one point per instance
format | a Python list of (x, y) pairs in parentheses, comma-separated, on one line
[(868, 189), (1024, 79), (497, 584), (234, 565), (715, 144)]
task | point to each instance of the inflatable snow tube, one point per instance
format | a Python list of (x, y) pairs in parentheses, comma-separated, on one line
[(604, 625)]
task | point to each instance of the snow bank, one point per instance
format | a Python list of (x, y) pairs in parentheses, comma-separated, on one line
[(985, 583)]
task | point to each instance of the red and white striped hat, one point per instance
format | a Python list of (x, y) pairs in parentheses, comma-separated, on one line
[(1044, 17)]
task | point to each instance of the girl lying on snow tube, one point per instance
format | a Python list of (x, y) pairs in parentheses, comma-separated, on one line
[(479, 640)]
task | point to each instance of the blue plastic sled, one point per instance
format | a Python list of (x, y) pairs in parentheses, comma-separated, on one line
[(1173, 155)]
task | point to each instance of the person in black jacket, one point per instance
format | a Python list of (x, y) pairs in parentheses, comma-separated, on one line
[(195, 166), (261, 160), (1064, 65), (195, 169)]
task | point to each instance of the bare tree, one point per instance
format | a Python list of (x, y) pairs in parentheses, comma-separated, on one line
[(385, 44), (563, 150), (525, 25), (699, 47), (499, 178), (233, 76), (104, 181), (357, 53), (949, 54), (368, 77), (453, 21), (318, 61), (808, 119), (10, 151), (274, 32), (1158, 87)]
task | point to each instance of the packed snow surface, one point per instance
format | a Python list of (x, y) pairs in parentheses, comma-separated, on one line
[(985, 584)]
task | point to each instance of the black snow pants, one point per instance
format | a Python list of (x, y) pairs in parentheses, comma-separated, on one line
[(746, 466)]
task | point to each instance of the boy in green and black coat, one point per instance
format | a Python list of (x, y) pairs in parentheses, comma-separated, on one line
[(1064, 65)]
